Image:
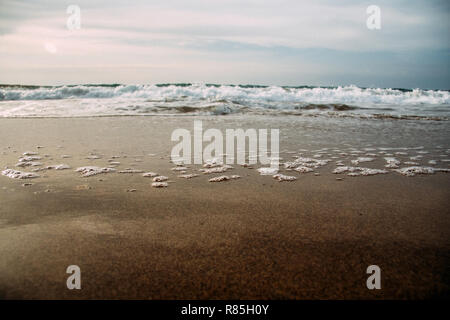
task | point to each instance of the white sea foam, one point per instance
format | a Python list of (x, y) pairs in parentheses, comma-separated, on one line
[(303, 169), (282, 177), (29, 158), (59, 167), (53, 167), (131, 171), (412, 171), (160, 179), (216, 169), (180, 168), (149, 174), (188, 176), (160, 185), (267, 171), (358, 171), (29, 164), (92, 100), (92, 170), (342, 94), (306, 162), (362, 159), (14, 174), (219, 179), (211, 163), (391, 162)]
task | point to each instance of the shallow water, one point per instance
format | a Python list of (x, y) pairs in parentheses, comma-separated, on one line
[(135, 145)]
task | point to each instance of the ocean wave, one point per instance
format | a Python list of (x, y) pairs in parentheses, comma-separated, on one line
[(161, 92), (186, 98)]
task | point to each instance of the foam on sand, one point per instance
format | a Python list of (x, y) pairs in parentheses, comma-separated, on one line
[(362, 159), (149, 174), (303, 169), (188, 176), (219, 179), (131, 171), (412, 171), (14, 174), (214, 162), (306, 162), (216, 169), (180, 168), (55, 167), (29, 164), (224, 178), (358, 171), (160, 185), (392, 162), (92, 170), (160, 179), (267, 171), (281, 177), (60, 167), (29, 158)]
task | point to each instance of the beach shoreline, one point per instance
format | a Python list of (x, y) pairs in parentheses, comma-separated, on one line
[(249, 238)]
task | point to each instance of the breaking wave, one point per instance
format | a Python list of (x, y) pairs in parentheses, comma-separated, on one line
[(186, 98)]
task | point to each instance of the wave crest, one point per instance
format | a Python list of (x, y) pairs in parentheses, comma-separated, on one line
[(186, 98), (343, 95)]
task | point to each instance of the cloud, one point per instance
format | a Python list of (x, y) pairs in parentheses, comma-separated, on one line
[(190, 37)]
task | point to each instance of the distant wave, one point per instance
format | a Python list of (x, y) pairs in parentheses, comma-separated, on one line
[(347, 94), (187, 98)]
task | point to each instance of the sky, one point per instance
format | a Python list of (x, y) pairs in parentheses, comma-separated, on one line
[(284, 42)]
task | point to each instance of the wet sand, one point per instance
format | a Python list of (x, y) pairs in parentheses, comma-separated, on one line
[(251, 238)]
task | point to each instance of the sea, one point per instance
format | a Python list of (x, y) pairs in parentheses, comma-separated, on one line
[(93, 100)]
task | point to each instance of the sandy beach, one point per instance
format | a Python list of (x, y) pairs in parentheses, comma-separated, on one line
[(249, 238), (224, 158)]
